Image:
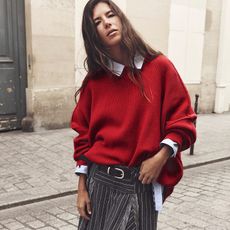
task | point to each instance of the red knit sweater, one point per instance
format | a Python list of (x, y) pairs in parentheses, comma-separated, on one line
[(117, 125)]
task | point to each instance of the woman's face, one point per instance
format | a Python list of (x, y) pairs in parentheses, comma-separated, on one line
[(108, 25)]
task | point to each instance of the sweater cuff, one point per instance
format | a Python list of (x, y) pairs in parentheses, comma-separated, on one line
[(176, 138), (80, 162), (172, 144)]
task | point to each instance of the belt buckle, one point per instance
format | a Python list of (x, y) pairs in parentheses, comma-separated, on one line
[(119, 177)]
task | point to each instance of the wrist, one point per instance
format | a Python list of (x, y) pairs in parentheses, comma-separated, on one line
[(82, 183), (82, 190), (164, 153)]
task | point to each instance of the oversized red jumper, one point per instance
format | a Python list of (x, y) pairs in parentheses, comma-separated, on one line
[(118, 125)]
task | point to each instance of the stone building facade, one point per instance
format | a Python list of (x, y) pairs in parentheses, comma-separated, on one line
[(48, 67)]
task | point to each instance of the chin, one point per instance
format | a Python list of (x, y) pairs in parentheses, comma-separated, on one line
[(114, 42)]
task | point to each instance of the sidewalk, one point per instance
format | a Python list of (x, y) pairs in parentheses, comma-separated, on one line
[(39, 165)]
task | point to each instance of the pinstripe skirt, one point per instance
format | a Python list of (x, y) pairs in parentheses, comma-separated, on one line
[(119, 204)]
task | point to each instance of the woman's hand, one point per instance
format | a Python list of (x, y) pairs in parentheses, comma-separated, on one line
[(150, 169), (83, 200)]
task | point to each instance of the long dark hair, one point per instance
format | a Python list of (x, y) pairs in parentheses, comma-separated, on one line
[(97, 56)]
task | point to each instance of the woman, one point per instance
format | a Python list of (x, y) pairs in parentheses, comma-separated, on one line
[(133, 117)]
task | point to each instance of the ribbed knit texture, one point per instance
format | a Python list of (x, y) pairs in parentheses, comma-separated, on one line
[(117, 125)]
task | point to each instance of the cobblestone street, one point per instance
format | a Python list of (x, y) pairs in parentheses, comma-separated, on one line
[(200, 201), (39, 165), (35, 165)]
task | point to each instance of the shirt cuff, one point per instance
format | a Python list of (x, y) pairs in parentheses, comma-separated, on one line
[(171, 144), (81, 169), (157, 190)]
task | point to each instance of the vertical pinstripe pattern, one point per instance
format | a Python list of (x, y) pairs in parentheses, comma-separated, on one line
[(119, 204)]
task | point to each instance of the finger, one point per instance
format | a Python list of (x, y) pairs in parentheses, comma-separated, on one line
[(89, 210), (140, 175), (144, 180), (140, 178), (149, 181), (83, 213)]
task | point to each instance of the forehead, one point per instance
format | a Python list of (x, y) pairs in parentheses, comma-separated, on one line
[(100, 9)]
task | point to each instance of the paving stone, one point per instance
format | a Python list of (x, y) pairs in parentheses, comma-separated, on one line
[(169, 228), (15, 225), (175, 200), (179, 225), (193, 228), (25, 228), (56, 211), (72, 210), (74, 221), (192, 194), (66, 216), (46, 217), (188, 198), (36, 224), (23, 185), (47, 228), (6, 221), (162, 225), (67, 227), (25, 218), (55, 222)]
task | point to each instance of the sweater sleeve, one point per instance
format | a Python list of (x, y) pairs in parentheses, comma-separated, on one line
[(80, 123), (177, 113)]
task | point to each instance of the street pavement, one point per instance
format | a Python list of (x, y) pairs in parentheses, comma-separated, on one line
[(200, 201), (38, 167)]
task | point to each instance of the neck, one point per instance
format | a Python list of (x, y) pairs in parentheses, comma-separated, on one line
[(119, 55)]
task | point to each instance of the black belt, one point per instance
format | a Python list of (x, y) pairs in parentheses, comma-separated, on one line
[(116, 171)]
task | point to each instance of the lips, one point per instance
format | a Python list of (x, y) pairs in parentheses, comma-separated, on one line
[(111, 31)]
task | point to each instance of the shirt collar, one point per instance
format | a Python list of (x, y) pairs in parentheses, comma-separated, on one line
[(117, 68)]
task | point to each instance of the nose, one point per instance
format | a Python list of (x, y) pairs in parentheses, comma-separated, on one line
[(107, 23)]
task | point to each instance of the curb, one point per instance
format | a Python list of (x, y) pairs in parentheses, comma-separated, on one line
[(35, 200), (206, 163)]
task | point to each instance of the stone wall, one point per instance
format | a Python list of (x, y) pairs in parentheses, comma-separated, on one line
[(151, 19), (210, 56), (222, 100), (50, 49)]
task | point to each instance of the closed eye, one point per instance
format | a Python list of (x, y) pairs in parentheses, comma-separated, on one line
[(108, 14), (97, 22), (111, 15)]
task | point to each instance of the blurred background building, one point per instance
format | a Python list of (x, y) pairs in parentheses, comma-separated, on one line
[(42, 53)]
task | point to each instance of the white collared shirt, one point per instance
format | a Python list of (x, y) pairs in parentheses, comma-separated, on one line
[(117, 68)]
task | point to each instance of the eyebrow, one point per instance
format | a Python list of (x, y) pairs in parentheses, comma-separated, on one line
[(108, 12)]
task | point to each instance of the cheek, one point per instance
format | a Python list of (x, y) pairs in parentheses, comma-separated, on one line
[(119, 24), (100, 32)]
